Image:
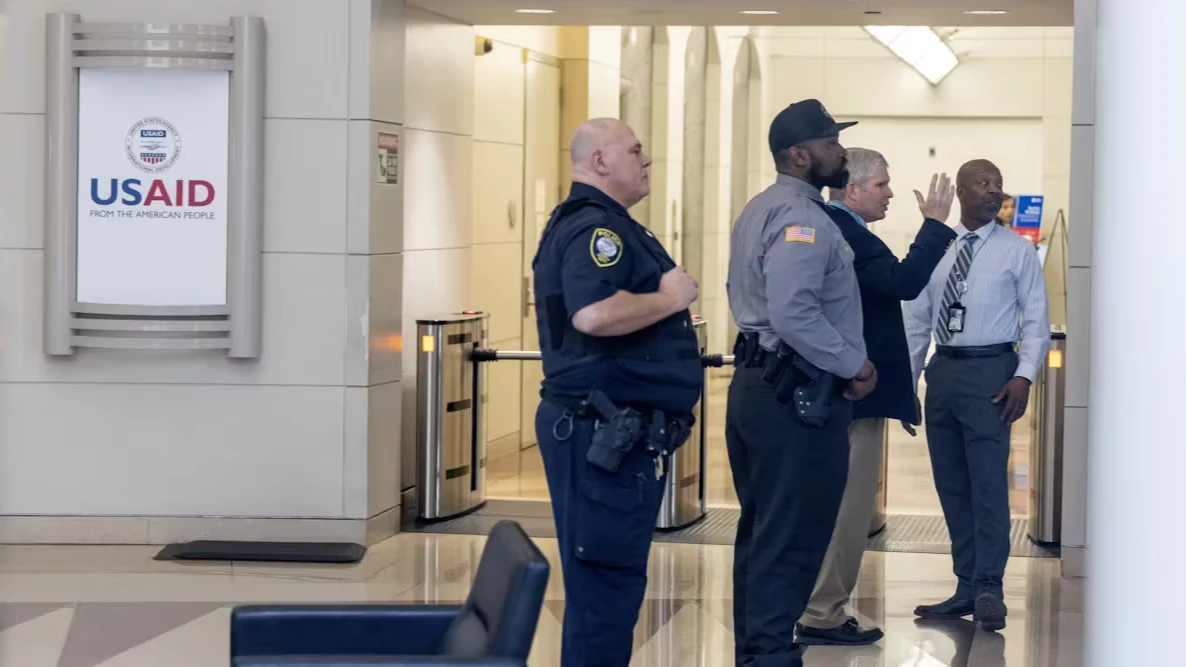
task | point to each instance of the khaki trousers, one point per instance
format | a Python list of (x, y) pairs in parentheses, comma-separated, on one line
[(842, 563)]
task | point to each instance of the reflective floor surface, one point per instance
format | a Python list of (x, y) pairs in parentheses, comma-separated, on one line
[(116, 607)]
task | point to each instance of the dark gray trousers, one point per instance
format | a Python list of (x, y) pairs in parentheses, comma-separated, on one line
[(790, 480), (969, 448)]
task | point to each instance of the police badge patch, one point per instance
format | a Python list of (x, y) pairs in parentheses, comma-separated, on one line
[(605, 247)]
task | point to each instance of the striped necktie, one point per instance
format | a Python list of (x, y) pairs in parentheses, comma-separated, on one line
[(959, 273)]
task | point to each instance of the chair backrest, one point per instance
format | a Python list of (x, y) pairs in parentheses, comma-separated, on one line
[(502, 611)]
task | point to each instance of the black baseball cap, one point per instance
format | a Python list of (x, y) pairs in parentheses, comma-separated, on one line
[(801, 122)]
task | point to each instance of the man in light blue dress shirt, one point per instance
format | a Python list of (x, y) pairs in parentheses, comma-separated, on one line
[(836, 203), (986, 296)]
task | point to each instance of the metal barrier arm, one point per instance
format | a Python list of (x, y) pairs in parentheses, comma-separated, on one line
[(505, 355), (479, 355), (717, 360), (684, 498)]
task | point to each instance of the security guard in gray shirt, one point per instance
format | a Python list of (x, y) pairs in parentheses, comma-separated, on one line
[(800, 362)]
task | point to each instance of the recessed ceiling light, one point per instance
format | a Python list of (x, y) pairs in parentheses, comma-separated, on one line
[(987, 12), (759, 12), (535, 11)]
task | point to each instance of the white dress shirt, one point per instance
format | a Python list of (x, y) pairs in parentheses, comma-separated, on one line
[(1005, 300)]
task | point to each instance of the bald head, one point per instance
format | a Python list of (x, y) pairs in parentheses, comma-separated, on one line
[(607, 156), (980, 189), (594, 134), (974, 169)]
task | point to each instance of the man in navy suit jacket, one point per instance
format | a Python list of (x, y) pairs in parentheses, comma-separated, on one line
[(885, 283)]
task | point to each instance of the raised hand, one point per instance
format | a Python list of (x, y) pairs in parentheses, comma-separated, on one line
[(937, 204)]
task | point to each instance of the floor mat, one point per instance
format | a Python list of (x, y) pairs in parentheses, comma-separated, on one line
[(275, 552), (903, 533)]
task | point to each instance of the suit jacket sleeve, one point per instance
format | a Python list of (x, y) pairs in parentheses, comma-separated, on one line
[(880, 272)]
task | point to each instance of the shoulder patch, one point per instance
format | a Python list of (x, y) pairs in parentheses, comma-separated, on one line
[(800, 235), (605, 247)]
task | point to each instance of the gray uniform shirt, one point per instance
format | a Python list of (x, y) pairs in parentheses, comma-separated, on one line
[(791, 278)]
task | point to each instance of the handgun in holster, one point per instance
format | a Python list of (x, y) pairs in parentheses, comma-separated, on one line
[(616, 433), (813, 395), (801, 385)]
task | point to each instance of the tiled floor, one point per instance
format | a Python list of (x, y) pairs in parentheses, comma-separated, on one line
[(116, 607), (911, 488)]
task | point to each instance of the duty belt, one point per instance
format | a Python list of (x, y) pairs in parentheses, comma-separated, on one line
[(620, 430), (586, 408), (796, 382)]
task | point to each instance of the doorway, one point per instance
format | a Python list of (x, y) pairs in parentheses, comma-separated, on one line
[(541, 193), (520, 475)]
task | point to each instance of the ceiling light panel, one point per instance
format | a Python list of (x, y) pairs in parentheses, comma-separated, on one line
[(920, 47)]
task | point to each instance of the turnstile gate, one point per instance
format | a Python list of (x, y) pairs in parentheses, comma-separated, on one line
[(1046, 449), (450, 437), (450, 401)]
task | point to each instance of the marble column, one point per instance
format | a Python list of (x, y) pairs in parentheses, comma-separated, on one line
[(161, 446), (1082, 205), (695, 114), (744, 72), (637, 81), (739, 162), (1135, 452)]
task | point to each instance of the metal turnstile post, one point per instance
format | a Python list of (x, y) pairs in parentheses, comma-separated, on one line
[(1046, 448), (684, 498), (450, 416)]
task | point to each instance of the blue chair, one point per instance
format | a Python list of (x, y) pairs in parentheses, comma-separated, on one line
[(495, 626)]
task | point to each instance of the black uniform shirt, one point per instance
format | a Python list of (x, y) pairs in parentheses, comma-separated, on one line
[(591, 249)]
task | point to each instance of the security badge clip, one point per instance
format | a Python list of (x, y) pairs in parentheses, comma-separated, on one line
[(956, 314)]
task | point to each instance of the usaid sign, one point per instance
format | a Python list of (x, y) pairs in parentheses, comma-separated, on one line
[(152, 186)]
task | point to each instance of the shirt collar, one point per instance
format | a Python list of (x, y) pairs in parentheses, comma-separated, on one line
[(586, 191), (844, 207), (983, 233), (800, 186)]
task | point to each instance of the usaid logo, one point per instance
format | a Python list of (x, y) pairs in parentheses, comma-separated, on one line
[(153, 145)]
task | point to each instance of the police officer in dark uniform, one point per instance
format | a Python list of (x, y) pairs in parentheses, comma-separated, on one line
[(622, 372), (801, 361)]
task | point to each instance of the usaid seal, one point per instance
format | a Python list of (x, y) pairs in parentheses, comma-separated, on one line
[(153, 145)]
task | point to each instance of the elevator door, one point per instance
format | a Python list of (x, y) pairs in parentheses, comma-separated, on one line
[(541, 193)]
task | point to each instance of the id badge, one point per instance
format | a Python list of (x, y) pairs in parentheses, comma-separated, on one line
[(955, 318)]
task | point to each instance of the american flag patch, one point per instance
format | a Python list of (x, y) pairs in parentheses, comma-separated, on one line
[(800, 235)]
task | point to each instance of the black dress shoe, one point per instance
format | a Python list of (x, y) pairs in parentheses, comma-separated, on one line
[(990, 612), (848, 634), (948, 610)]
